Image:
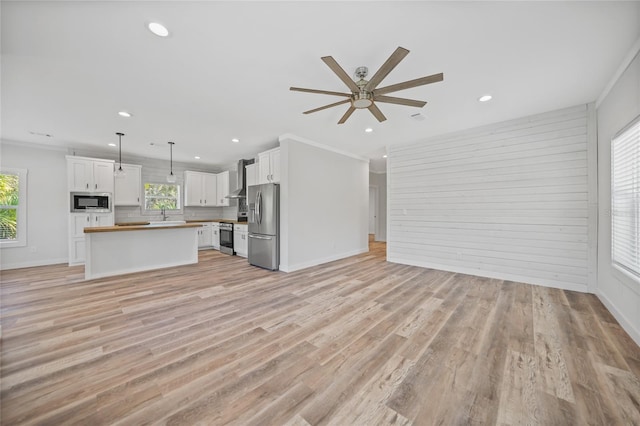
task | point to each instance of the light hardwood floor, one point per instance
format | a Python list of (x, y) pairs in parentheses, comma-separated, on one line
[(354, 342)]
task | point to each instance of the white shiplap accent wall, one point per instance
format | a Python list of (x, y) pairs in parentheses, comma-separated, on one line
[(507, 201)]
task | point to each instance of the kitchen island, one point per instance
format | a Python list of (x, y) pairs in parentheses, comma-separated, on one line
[(115, 250)]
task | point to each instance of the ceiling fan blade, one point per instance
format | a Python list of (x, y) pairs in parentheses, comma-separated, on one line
[(409, 84), (347, 115), (342, 75), (327, 106), (386, 68), (399, 101), (323, 92), (377, 113)]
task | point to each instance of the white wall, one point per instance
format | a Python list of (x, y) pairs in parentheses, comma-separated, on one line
[(509, 201), (324, 202), (618, 108), (47, 207), (379, 180)]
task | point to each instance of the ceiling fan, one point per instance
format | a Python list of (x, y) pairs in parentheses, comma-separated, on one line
[(364, 93)]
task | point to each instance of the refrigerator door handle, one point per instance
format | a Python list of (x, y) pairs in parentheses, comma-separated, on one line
[(259, 206), (259, 237)]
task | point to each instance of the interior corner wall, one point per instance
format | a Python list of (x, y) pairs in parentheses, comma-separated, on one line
[(379, 180), (324, 202), (47, 207), (618, 108), (506, 201)]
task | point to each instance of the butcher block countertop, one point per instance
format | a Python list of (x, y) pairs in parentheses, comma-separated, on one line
[(217, 220), (146, 227)]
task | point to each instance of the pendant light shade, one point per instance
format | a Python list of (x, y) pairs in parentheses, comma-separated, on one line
[(119, 172), (171, 178)]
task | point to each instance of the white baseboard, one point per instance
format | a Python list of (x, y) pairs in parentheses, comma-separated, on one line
[(492, 274), (315, 262), (30, 264), (628, 326)]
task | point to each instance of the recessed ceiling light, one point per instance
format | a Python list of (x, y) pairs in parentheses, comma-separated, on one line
[(368, 130), (124, 114), (111, 144), (158, 29), (235, 140), (484, 98), (384, 156), (196, 157)]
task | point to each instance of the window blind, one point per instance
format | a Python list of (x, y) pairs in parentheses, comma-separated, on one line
[(625, 199)]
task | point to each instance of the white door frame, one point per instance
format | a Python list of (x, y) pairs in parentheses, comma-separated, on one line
[(376, 207)]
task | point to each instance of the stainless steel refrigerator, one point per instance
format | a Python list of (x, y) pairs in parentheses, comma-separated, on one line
[(264, 225)]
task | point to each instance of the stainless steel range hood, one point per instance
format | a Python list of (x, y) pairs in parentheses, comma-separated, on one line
[(241, 192)]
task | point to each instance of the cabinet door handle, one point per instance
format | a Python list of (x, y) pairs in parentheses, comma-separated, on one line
[(87, 185), (87, 218)]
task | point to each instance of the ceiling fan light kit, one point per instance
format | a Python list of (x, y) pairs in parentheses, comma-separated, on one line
[(364, 93)]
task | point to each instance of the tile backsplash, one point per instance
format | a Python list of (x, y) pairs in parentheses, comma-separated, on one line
[(136, 214)]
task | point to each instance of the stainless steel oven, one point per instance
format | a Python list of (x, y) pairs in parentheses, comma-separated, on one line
[(226, 237)]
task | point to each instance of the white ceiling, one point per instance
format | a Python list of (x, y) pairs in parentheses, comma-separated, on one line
[(226, 69)]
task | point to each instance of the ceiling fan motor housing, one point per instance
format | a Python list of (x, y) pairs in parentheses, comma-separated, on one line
[(361, 72)]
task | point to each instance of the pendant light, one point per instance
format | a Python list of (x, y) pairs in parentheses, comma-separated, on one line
[(120, 173), (171, 178)]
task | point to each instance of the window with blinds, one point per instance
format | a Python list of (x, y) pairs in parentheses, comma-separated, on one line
[(625, 199)]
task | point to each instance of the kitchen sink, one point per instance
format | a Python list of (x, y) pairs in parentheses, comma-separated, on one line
[(167, 223)]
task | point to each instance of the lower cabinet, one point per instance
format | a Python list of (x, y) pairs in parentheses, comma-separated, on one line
[(77, 223), (205, 240), (241, 240), (215, 235)]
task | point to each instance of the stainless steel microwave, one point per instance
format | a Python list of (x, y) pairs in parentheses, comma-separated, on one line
[(90, 202)]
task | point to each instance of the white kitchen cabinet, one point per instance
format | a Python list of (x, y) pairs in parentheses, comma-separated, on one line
[(215, 235), (241, 240), (252, 174), (223, 188), (269, 166), (89, 174), (128, 188), (77, 223), (205, 240), (200, 189)]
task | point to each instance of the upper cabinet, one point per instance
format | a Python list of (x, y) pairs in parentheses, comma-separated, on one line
[(89, 174), (129, 186), (223, 188), (269, 166), (200, 189), (252, 174)]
